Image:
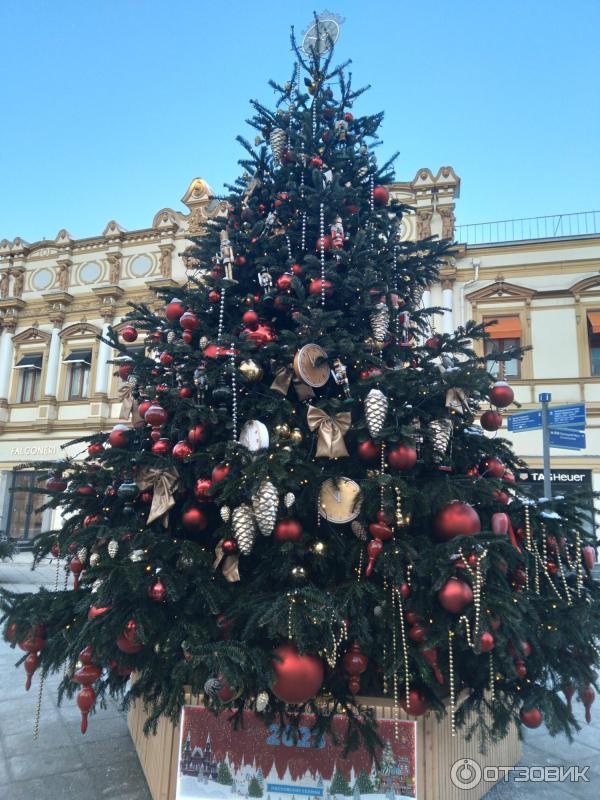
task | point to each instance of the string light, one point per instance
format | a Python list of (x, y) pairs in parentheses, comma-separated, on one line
[(322, 250), (452, 686)]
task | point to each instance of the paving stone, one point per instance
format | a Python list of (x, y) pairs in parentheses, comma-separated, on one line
[(42, 763)]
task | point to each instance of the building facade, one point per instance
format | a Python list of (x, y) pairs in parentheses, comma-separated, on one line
[(57, 297)]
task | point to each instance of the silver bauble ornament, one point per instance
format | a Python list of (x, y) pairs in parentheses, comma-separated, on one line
[(225, 513), (441, 433), (380, 322), (262, 701), (264, 504), (376, 406), (244, 531), (289, 499), (277, 140), (113, 548)]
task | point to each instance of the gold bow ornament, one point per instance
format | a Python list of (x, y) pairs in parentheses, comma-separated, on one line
[(163, 484), (129, 406), (228, 563), (330, 431), (286, 376)]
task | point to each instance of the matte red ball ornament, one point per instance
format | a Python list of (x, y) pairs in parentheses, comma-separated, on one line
[(288, 530), (220, 472), (185, 392), (119, 436), (314, 287), (455, 595), (230, 547), (189, 321), (316, 161), (194, 520), (214, 296), (368, 451), (166, 359), (157, 591), (434, 342), (156, 415), (143, 407), (296, 269), (250, 318), (327, 243), (198, 434), (531, 718), (491, 420), (456, 519), (501, 394), (417, 705), (492, 468), (417, 632), (298, 678), (486, 642), (284, 282), (174, 310), (91, 519), (589, 556), (56, 483), (202, 488), (402, 457), (129, 333), (381, 196), (182, 450), (162, 447), (187, 336)]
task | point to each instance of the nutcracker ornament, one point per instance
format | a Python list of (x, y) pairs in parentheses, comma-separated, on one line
[(226, 257), (340, 376), (337, 234)]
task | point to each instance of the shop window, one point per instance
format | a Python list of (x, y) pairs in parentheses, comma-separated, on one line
[(593, 322), (30, 378), (23, 517), (78, 374), (504, 335)]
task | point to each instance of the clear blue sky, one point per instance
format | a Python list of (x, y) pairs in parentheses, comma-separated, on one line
[(110, 107)]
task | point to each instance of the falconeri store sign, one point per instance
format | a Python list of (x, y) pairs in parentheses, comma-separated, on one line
[(20, 517)]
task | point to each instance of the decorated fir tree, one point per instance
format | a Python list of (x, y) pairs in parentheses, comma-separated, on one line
[(224, 775), (303, 503)]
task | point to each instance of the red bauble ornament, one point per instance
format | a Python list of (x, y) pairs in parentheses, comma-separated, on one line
[(417, 632), (500, 522), (162, 447), (348, 116), (214, 296), (10, 632), (250, 318), (230, 547), (381, 529), (402, 457), (97, 611), (143, 407), (174, 310), (371, 372), (194, 520), (316, 161), (589, 556), (91, 519), (501, 497), (298, 678), (327, 243), (129, 333), (520, 668), (456, 519), (185, 392), (284, 282), (261, 335), (288, 530), (202, 488), (492, 468), (189, 321), (197, 434), (129, 640), (405, 591), (220, 472), (532, 717), (374, 549), (156, 415), (486, 642), (86, 489), (455, 595), (56, 483), (314, 287), (187, 336), (157, 591), (166, 359), (355, 663), (434, 342), (35, 639), (125, 370), (501, 394), (417, 705), (182, 450), (296, 269), (31, 663), (76, 567), (368, 451), (85, 702), (587, 696), (491, 420), (381, 196), (119, 436)]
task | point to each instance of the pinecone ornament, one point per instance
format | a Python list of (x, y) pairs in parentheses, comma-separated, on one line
[(264, 504), (82, 554), (441, 433), (225, 513), (244, 531), (376, 406), (289, 499), (277, 140), (113, 548), (262, 701), (380, 322)]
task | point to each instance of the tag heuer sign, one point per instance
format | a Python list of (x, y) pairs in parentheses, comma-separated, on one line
[(575, 477)]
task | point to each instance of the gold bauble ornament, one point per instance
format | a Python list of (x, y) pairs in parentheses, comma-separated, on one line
[(298, 574), (282, 430), (251, 371), (319, 548), (296, 435)]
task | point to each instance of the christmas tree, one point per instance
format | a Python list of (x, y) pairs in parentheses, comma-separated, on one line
[(303, 503), (224, 774), (339, 784), (363, 783), (254, 788)]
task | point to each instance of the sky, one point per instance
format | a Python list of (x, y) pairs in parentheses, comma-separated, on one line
[(109, 108)]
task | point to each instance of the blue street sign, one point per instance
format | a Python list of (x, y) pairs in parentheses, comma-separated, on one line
[(567, 416), (526, 421), (567, 439), (545, 397)]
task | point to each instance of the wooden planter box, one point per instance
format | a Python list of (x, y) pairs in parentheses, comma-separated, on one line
[(437, 751)]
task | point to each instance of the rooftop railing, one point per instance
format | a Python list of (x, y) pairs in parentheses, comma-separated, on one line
[(555, 226)]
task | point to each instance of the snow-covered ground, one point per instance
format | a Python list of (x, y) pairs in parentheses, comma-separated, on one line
[(190, 788)]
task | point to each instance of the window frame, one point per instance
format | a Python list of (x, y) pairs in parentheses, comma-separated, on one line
[(589, 336), (501, 365), (35, 373)]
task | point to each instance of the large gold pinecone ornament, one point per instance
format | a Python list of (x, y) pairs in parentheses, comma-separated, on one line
[(264, 504), (244, 531), (441, 432), (380, 322), (376, 406), (277, 140)]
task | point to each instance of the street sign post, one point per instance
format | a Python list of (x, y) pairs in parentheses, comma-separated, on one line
[(561, 426)]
